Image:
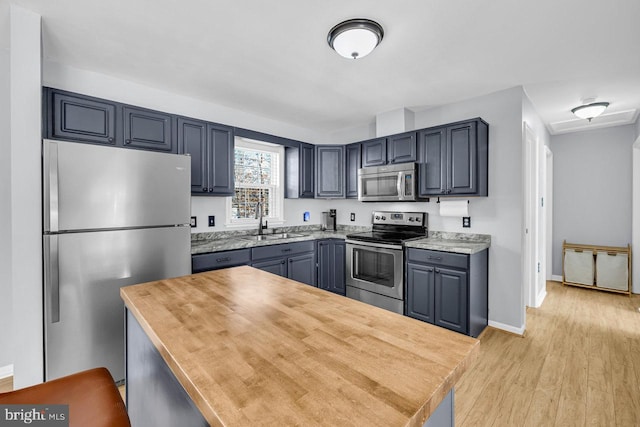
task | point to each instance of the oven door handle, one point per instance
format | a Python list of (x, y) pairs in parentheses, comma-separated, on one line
[(373, 245)]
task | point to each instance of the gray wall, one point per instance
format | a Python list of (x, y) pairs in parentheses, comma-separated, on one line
[(5, 214), (592, 188)]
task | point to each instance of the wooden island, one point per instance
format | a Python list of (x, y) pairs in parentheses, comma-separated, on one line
[(243, 347)]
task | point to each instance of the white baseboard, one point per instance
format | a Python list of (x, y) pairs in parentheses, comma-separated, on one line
[(541, 296), (508, 328), (6, 371), (556, 278)]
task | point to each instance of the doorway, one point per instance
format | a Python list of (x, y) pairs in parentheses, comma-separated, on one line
[(536, 231)]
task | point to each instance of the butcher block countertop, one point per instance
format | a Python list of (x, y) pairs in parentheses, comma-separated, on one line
[(250, 347)]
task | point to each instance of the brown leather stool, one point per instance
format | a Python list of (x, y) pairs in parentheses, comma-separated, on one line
[(92, 396)]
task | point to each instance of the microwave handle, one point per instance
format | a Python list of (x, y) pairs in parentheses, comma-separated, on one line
[(400, 185)]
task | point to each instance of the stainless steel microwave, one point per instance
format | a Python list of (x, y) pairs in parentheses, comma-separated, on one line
[(388, 183)]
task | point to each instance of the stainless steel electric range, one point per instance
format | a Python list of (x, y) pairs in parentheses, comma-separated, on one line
[(375, 259)]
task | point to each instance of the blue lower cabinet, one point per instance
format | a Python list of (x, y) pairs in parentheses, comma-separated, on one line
[(276, 266), (296, 261), (448, 289), (331, 265)]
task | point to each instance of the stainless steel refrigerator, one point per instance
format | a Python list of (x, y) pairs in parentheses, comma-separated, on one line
[(111, 217)]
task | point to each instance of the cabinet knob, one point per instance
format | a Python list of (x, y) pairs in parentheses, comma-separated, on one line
[(443, 191), (128, 141), (110, 139), (282, 262), (210, 190), (437, 270), (204, 189)]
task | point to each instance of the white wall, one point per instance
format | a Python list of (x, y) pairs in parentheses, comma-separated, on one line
[(6, 352), (499, 214), (26, 217), (592, 188)]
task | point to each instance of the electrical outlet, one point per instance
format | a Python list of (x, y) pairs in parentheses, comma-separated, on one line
[(306, 216), (212, 221), (194, 221), (466, 221), (353, 216)]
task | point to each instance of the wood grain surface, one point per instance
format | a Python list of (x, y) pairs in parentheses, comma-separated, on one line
[(253, 348)]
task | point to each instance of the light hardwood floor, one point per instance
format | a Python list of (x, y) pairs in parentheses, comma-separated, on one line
[(577, 365)]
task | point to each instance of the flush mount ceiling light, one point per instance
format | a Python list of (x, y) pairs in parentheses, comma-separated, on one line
[(589, 111), (355, 38)]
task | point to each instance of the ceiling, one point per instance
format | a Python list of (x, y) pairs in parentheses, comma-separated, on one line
[(271, 58)]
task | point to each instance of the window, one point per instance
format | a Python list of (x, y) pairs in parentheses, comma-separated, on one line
[(259, 177)]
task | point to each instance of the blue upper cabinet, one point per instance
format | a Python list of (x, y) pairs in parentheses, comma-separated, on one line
[(402, 148), (374, 152), (80, 118), (307, 175), (432, 172), (211, 149), (192, 140), (220, 156), (454, 159), (330, 171), (353, 163), (148, 130), (299, 170)]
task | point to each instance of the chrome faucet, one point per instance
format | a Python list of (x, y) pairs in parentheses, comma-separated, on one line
[(259, 212)]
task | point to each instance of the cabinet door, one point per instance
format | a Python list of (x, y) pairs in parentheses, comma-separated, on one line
[(420, 293), (451, 301), (323, 252), (149, 130), (220, 160), (192, 140), (374, 152), (78, 118), (462, 159), (330, 171), (352, 165), (432, 146), (338, 264), (307, 172), (402, 148), (302, 268), (276, 266)]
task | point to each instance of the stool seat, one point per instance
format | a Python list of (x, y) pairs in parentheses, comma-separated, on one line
[(92, 396)]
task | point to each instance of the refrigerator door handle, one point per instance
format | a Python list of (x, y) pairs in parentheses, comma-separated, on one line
[(50, 175), (52, 278)]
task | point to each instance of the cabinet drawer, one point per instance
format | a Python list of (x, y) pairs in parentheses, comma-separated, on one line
[(438, 258), (287, 249), (215, 260)]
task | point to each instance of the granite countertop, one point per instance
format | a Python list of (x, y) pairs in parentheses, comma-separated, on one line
[(463, 243), (228, 240), (466, 243), (253, 348)]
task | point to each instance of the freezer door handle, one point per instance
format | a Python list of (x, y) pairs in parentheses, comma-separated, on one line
[(50, 175), (52, 278)]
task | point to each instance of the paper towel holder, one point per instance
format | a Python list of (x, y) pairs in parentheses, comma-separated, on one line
[(439, 200)]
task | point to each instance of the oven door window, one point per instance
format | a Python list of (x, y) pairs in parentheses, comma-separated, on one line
[(379, 186), (373, 267)]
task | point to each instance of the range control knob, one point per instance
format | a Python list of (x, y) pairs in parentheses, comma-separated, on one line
[(410, 219), (384, 217), (377, 217)]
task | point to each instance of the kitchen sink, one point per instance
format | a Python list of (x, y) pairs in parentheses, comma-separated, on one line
[(276, 236)]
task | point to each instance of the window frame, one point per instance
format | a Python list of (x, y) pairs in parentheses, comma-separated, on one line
[(277, 211)]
